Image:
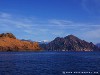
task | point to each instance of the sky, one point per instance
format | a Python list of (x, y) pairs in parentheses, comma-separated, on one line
[(40, 20)]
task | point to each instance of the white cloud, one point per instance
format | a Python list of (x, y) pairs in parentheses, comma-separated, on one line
[(60, 22), (53, 27), (4, 15), (58, 33), (93, 33)]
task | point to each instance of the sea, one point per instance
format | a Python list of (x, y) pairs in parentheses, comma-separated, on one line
[(49, 63)]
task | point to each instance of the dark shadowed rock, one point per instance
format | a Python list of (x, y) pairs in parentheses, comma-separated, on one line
[(10, 35), (69, 43)]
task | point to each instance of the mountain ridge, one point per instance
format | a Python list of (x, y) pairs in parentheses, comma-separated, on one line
[(69, 43), (8, 42)]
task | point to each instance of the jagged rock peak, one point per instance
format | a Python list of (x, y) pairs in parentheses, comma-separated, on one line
[(71, 36), (57, 38), (70, 43), (10, 35)]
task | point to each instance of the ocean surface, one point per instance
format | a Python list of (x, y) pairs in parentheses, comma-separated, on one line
[(49, 63)]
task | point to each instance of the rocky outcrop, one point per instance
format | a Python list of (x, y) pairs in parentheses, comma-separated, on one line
[(10, 35), (8, 42), (69, 43)]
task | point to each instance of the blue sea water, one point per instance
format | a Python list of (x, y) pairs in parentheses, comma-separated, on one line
[(49, 63)]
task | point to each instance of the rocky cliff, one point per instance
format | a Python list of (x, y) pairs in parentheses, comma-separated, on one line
[(8, 42), (69, 43)]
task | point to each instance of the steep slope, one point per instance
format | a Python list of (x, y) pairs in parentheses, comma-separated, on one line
[(69, 43), (8, 42)]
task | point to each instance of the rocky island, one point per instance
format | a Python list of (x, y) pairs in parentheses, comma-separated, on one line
[(69, 43), (8, 42)]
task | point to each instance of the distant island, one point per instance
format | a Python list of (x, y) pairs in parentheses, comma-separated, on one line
[(8, 42), (69, 43)]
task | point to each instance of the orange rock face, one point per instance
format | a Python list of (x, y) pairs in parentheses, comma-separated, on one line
[(8, 42)]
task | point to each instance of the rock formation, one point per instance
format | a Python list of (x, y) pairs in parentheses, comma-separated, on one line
[(69, 43), (8, 42)]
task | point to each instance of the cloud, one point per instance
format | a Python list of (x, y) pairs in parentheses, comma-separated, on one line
[(16, 23), (47, 28), (4, 15), (86, 31), (93, 34), (60, 22)]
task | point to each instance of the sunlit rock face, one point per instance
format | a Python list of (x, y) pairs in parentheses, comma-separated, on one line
[(8, 42)]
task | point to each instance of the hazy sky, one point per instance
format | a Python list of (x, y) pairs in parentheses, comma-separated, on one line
[(46, 19)]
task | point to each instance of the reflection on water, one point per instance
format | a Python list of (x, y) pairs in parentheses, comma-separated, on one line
[(48, 63)]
